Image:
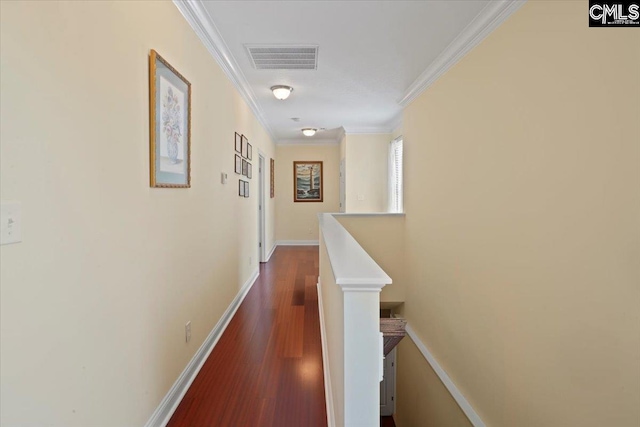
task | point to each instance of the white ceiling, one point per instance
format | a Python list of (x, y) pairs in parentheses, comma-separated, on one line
[(372, 54)]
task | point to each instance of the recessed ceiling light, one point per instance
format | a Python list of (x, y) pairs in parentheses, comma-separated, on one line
[(309, 131), (281, 92)]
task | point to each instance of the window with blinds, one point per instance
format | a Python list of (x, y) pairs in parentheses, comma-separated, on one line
[(395, 176)]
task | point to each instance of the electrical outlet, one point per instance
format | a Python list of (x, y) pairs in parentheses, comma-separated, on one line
[(187, 331)]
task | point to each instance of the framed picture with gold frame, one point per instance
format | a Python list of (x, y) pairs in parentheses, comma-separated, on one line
[(169, 125), (307, 182)]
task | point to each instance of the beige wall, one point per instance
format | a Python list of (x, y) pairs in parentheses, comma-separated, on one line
[(367, 163), (382, 237), (95, 299), (422, 400), (523, 224), (299, 221)]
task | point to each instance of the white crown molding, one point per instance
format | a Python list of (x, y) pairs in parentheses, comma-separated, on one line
[(367, 130), (489, 18), (307, 142), (200, 20), (396, 123)]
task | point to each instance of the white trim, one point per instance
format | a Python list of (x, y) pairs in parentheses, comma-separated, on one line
[(328, 391), (368, 130), (464, 404), (171, 400), (352, 266), (489, 18), (396, 123), (273, 248), (369, 214), (197, 16), (297, 243)]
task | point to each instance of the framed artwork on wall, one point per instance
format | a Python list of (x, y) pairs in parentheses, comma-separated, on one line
[(272, 192), (246, 188), (245, 147), (307, 181), (245, 167), (249, 151), (238, 167), (249, 170), (169, 125), (240, 188), (238, 142)]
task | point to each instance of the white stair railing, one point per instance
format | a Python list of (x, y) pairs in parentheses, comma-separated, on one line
[(349, 291)]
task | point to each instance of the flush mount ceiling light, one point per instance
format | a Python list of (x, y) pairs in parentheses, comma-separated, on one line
[(281, 92), (309, 131)]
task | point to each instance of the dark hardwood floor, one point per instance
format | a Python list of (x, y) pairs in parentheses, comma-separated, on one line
[(266, 369), (387, 422)]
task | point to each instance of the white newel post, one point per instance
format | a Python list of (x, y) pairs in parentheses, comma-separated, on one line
[(362, 355), (359, 346)]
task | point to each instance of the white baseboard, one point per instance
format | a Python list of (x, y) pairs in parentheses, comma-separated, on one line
[(328, 393), (297, 243), (168, 405), (455, 393), (275, 245)]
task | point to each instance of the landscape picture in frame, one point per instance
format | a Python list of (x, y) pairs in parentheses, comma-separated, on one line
[(169, 125), (307, 181)]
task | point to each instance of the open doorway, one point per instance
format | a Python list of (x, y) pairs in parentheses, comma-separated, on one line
[(261, 221)]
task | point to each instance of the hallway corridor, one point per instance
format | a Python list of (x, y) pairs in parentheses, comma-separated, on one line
[(266, 370)]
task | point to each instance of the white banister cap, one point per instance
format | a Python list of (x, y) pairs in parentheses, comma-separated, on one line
[(352, 266)]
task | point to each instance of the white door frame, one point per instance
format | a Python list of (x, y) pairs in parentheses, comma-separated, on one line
[(262, 257), (388, 385)]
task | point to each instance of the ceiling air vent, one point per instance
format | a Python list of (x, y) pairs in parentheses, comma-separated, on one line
[(283, 57)]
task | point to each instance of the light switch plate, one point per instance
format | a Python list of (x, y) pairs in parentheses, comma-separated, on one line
[(10, 222)]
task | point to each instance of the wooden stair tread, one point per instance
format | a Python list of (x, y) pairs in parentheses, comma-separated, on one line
[(393, 330)]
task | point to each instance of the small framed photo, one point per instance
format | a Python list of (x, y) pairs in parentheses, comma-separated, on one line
[(240, 188), (245, 147), (249, 169), (249, 151), (238, 168), (169, 125), (238, 142), (272, 179), (245, 167), (246, 188)]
